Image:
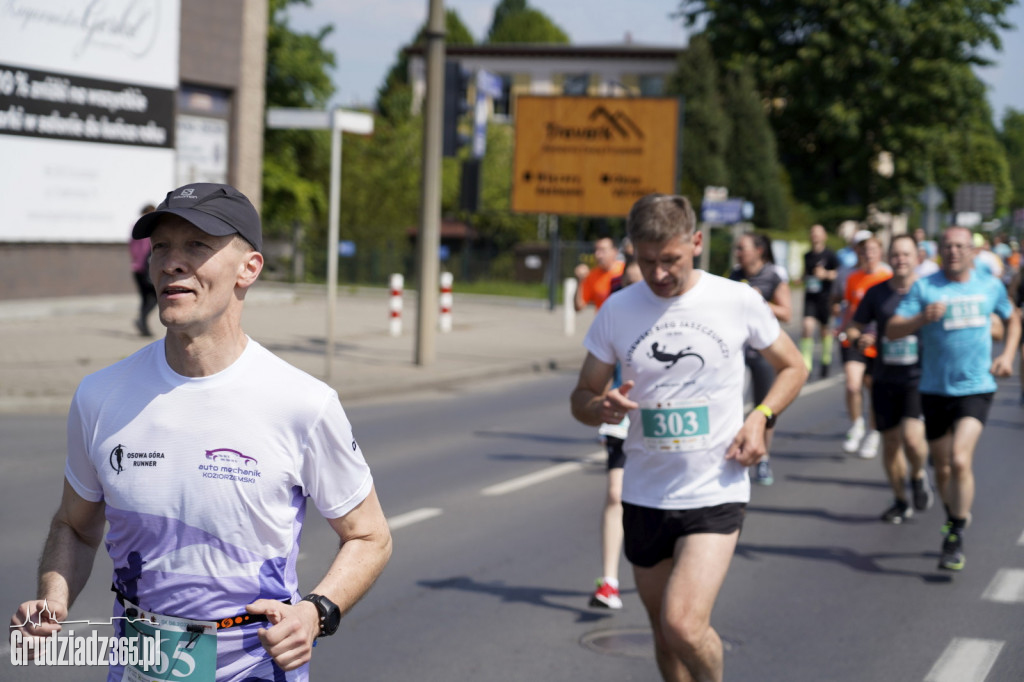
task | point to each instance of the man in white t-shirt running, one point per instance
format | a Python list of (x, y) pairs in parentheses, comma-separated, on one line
[(679, 336), (201, 451)]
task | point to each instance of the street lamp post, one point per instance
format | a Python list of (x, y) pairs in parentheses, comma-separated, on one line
[(337, 121)]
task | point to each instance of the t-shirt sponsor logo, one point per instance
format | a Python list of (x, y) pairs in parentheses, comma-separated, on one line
[(121, 459), (227, 464)]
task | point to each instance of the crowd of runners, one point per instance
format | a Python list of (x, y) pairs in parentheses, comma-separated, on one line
[(913, 323)]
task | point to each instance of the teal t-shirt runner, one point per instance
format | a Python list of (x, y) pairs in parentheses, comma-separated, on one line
[(956, 351)]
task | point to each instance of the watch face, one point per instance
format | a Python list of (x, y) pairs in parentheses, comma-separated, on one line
[(332, 618), (330, 614)]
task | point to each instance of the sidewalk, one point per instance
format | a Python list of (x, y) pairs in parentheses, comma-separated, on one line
[(47, 346)]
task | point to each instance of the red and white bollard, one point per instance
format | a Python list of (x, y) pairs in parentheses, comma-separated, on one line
[(445, 320), (396, 283)]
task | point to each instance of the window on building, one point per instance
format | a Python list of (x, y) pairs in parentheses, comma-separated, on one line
[(652, 85), (202, 135), (576, 84), (502, 107)]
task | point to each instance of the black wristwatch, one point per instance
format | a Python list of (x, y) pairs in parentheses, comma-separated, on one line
[(330, 614)]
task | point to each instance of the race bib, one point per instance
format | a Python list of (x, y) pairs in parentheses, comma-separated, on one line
[(188, 648), (899, 351), (678, 426), (964, 312), (812, 285)]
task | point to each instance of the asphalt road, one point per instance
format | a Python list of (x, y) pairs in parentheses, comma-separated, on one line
[(493, 494)]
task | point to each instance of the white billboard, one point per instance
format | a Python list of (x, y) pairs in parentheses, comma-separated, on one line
[(87, 92), (202, 150)]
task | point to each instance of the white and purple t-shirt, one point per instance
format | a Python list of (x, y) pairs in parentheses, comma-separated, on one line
[(205, 482)]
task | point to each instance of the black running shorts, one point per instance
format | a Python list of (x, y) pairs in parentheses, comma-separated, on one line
[(942, 412), (616, 457), (762, 374), (855, 354), (894, 402), (818, 306), (651, 534)]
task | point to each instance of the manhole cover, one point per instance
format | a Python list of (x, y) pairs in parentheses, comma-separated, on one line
[(631, 642)]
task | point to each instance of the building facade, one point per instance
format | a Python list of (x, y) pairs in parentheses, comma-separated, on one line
[(105, 108), (620, 70)]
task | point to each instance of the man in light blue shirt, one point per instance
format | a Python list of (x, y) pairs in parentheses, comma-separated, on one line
[(950, 312)]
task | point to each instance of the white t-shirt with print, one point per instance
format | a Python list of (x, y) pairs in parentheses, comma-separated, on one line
[(685, 355), (205, 482)]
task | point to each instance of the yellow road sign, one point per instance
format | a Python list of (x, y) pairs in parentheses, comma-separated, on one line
[(592, 155)]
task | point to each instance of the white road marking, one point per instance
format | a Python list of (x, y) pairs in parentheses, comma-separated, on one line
[(965, 660), (808, 389), (526, 481), (820, 385), (415, 516), (543, 475), (1006, 587)]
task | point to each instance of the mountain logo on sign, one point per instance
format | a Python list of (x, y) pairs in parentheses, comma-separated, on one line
[(620, 121), (605, 126)]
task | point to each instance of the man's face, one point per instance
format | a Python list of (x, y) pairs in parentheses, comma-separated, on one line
[(818, 236), (957, 251), (194, 273), (605, 253), (747, 255), (903, 257), (666, 266), (871, 252)]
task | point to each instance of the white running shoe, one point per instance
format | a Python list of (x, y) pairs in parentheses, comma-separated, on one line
[(869, 446), (854, 436), (606, 596)]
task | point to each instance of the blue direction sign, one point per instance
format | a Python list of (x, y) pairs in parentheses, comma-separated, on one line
[(722, 212)]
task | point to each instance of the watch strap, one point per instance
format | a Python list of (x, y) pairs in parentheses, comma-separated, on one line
[(323, 606), (768, 413)]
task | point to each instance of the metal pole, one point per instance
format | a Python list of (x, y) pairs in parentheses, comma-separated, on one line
[(334, 216), (430, 217), (705, 254), (554, 261)]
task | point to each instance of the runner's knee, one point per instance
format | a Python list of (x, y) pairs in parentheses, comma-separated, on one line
[(685, 631)]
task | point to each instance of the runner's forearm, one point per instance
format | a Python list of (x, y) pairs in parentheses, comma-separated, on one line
[(586, 406), (899, 327), (66, 563), (1013, 335), (786, 387), (365, 550)]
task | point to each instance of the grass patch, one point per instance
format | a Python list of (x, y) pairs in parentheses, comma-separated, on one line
[(499, 288)]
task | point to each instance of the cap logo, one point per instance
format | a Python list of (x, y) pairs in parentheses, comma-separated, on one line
[(187, 192)]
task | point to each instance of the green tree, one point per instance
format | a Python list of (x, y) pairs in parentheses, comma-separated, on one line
[(848, 80), (295, 162), (754, 170), (705, 129), (394, 97), (495, 221), (1012, 137), (971, 152), (527, 26), (502, 11)]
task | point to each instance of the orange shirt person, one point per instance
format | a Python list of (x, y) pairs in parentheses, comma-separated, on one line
[(857, 285), (596, 284), (858, 355)]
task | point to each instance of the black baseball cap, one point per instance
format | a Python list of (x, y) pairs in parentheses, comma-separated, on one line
[(215, 209)]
